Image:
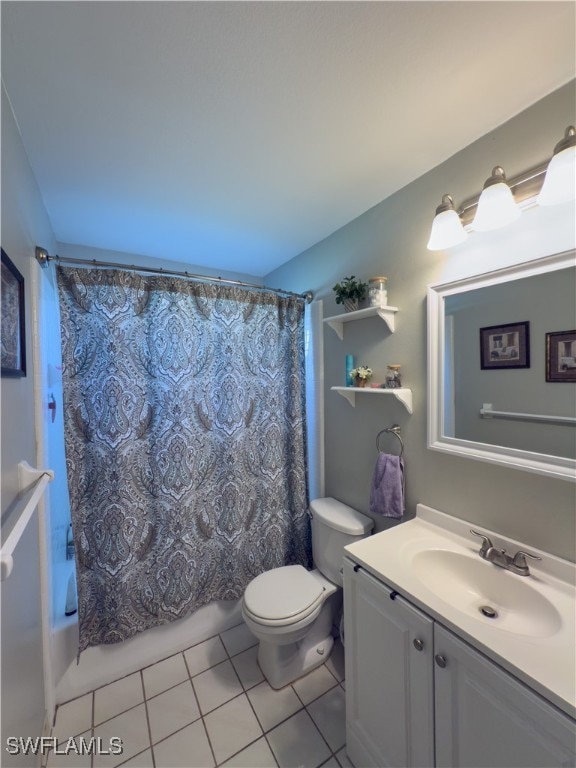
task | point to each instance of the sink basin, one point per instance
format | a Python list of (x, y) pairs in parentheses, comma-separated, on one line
[(432, 562), (487, 592)]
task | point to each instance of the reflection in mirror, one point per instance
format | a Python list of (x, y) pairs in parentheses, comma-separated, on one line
[(546, 304), (491, 395)]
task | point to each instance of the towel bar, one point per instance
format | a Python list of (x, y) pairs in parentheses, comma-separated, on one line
[(27, 478), (395, 430)]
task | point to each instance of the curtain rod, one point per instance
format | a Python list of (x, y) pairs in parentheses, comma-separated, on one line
[(43, 258)]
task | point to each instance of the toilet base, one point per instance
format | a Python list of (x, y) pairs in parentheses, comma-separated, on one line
[(282, 664)]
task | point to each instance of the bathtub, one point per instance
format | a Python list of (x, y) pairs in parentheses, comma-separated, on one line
[(102, 664)]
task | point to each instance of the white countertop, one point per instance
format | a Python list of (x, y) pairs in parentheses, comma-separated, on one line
[(547, 662)]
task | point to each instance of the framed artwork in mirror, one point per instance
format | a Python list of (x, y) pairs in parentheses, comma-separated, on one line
[(561, 356), (505, 346), (12, 320)]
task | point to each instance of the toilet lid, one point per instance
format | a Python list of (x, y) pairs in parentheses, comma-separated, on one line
[(283, 593)]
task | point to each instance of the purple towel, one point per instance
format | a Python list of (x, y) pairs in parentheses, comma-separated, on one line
[(387, 490)]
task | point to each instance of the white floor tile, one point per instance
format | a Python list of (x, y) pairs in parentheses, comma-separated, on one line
[(332, 763), (132, 728), (343, 758), (143, 760), (112, 699), (216, 686), (272, 706), (172, 710), (314, 684), (246, 665), (212, 719), (71, 760), (297, 742), (159, 677), (205, 655), (329, 714), (257, 755), (189, 747), (232, 727), (73, 718), (238, 639)]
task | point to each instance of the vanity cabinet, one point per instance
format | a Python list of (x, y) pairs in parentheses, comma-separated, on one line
[(389, 683), (417, 695), (484, 716)]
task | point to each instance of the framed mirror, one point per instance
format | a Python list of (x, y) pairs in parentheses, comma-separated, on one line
[(502, 366)]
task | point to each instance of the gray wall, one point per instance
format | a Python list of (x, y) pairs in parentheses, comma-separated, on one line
[(390, 239), (24, 223)]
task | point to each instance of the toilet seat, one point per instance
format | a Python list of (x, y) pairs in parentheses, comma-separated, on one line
[(283, 596)]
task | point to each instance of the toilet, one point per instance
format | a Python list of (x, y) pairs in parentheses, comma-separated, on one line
[(291, 610)]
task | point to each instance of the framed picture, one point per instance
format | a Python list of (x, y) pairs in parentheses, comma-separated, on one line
[(12, 320), (505, 346), (561, 356)]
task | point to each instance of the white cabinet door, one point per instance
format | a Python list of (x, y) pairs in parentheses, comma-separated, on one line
[(389, 686), (485, 717)]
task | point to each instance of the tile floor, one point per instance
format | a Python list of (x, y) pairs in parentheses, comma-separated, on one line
[(211, 706)]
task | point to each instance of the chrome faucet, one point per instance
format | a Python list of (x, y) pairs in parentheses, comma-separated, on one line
[(516, 564)]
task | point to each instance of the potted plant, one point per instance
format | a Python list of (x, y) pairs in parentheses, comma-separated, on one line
[(349, 292), (361, 375)]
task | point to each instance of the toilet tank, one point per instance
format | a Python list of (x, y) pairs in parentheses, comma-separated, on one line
[(334, 525)]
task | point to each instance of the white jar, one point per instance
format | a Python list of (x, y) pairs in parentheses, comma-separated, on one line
[(377, 293)]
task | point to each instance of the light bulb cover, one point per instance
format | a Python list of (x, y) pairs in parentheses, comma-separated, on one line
[(496, 206), (447, 229), (560, 180)]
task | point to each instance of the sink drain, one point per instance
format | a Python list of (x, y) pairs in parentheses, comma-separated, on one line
[(488, 611)]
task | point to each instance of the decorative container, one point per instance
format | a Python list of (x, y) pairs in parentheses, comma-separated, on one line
[(361, 376), (377, 292), (393, 377), (350, 305)]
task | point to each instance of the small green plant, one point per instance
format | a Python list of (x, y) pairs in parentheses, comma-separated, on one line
[(350, 288)]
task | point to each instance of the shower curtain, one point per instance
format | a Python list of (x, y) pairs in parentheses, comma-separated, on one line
[(185, 443)]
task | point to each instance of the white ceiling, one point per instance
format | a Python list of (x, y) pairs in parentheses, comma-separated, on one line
[(237, 134)]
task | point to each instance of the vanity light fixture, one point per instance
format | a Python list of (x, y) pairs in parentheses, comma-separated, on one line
[(447, 229), (501, 201), (496, 206), (560, 180)]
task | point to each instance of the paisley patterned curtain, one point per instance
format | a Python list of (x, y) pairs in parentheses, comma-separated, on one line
[(185, 443)]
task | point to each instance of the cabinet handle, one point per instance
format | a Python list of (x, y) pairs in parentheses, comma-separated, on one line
[(418, 644), (440, 660)]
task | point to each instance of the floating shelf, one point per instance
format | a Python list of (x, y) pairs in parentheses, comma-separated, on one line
[(402, 394), (386, 313)]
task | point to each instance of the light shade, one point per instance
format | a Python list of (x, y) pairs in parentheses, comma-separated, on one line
[(560, 181), (447, 229), (496, 206)]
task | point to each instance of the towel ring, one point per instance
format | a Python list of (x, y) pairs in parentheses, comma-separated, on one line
[(395, 430)]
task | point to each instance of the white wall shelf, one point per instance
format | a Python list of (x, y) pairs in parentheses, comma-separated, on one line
[(337, 321), (402, 394)]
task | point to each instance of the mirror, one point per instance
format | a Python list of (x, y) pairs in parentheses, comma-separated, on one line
[(502, 366)]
